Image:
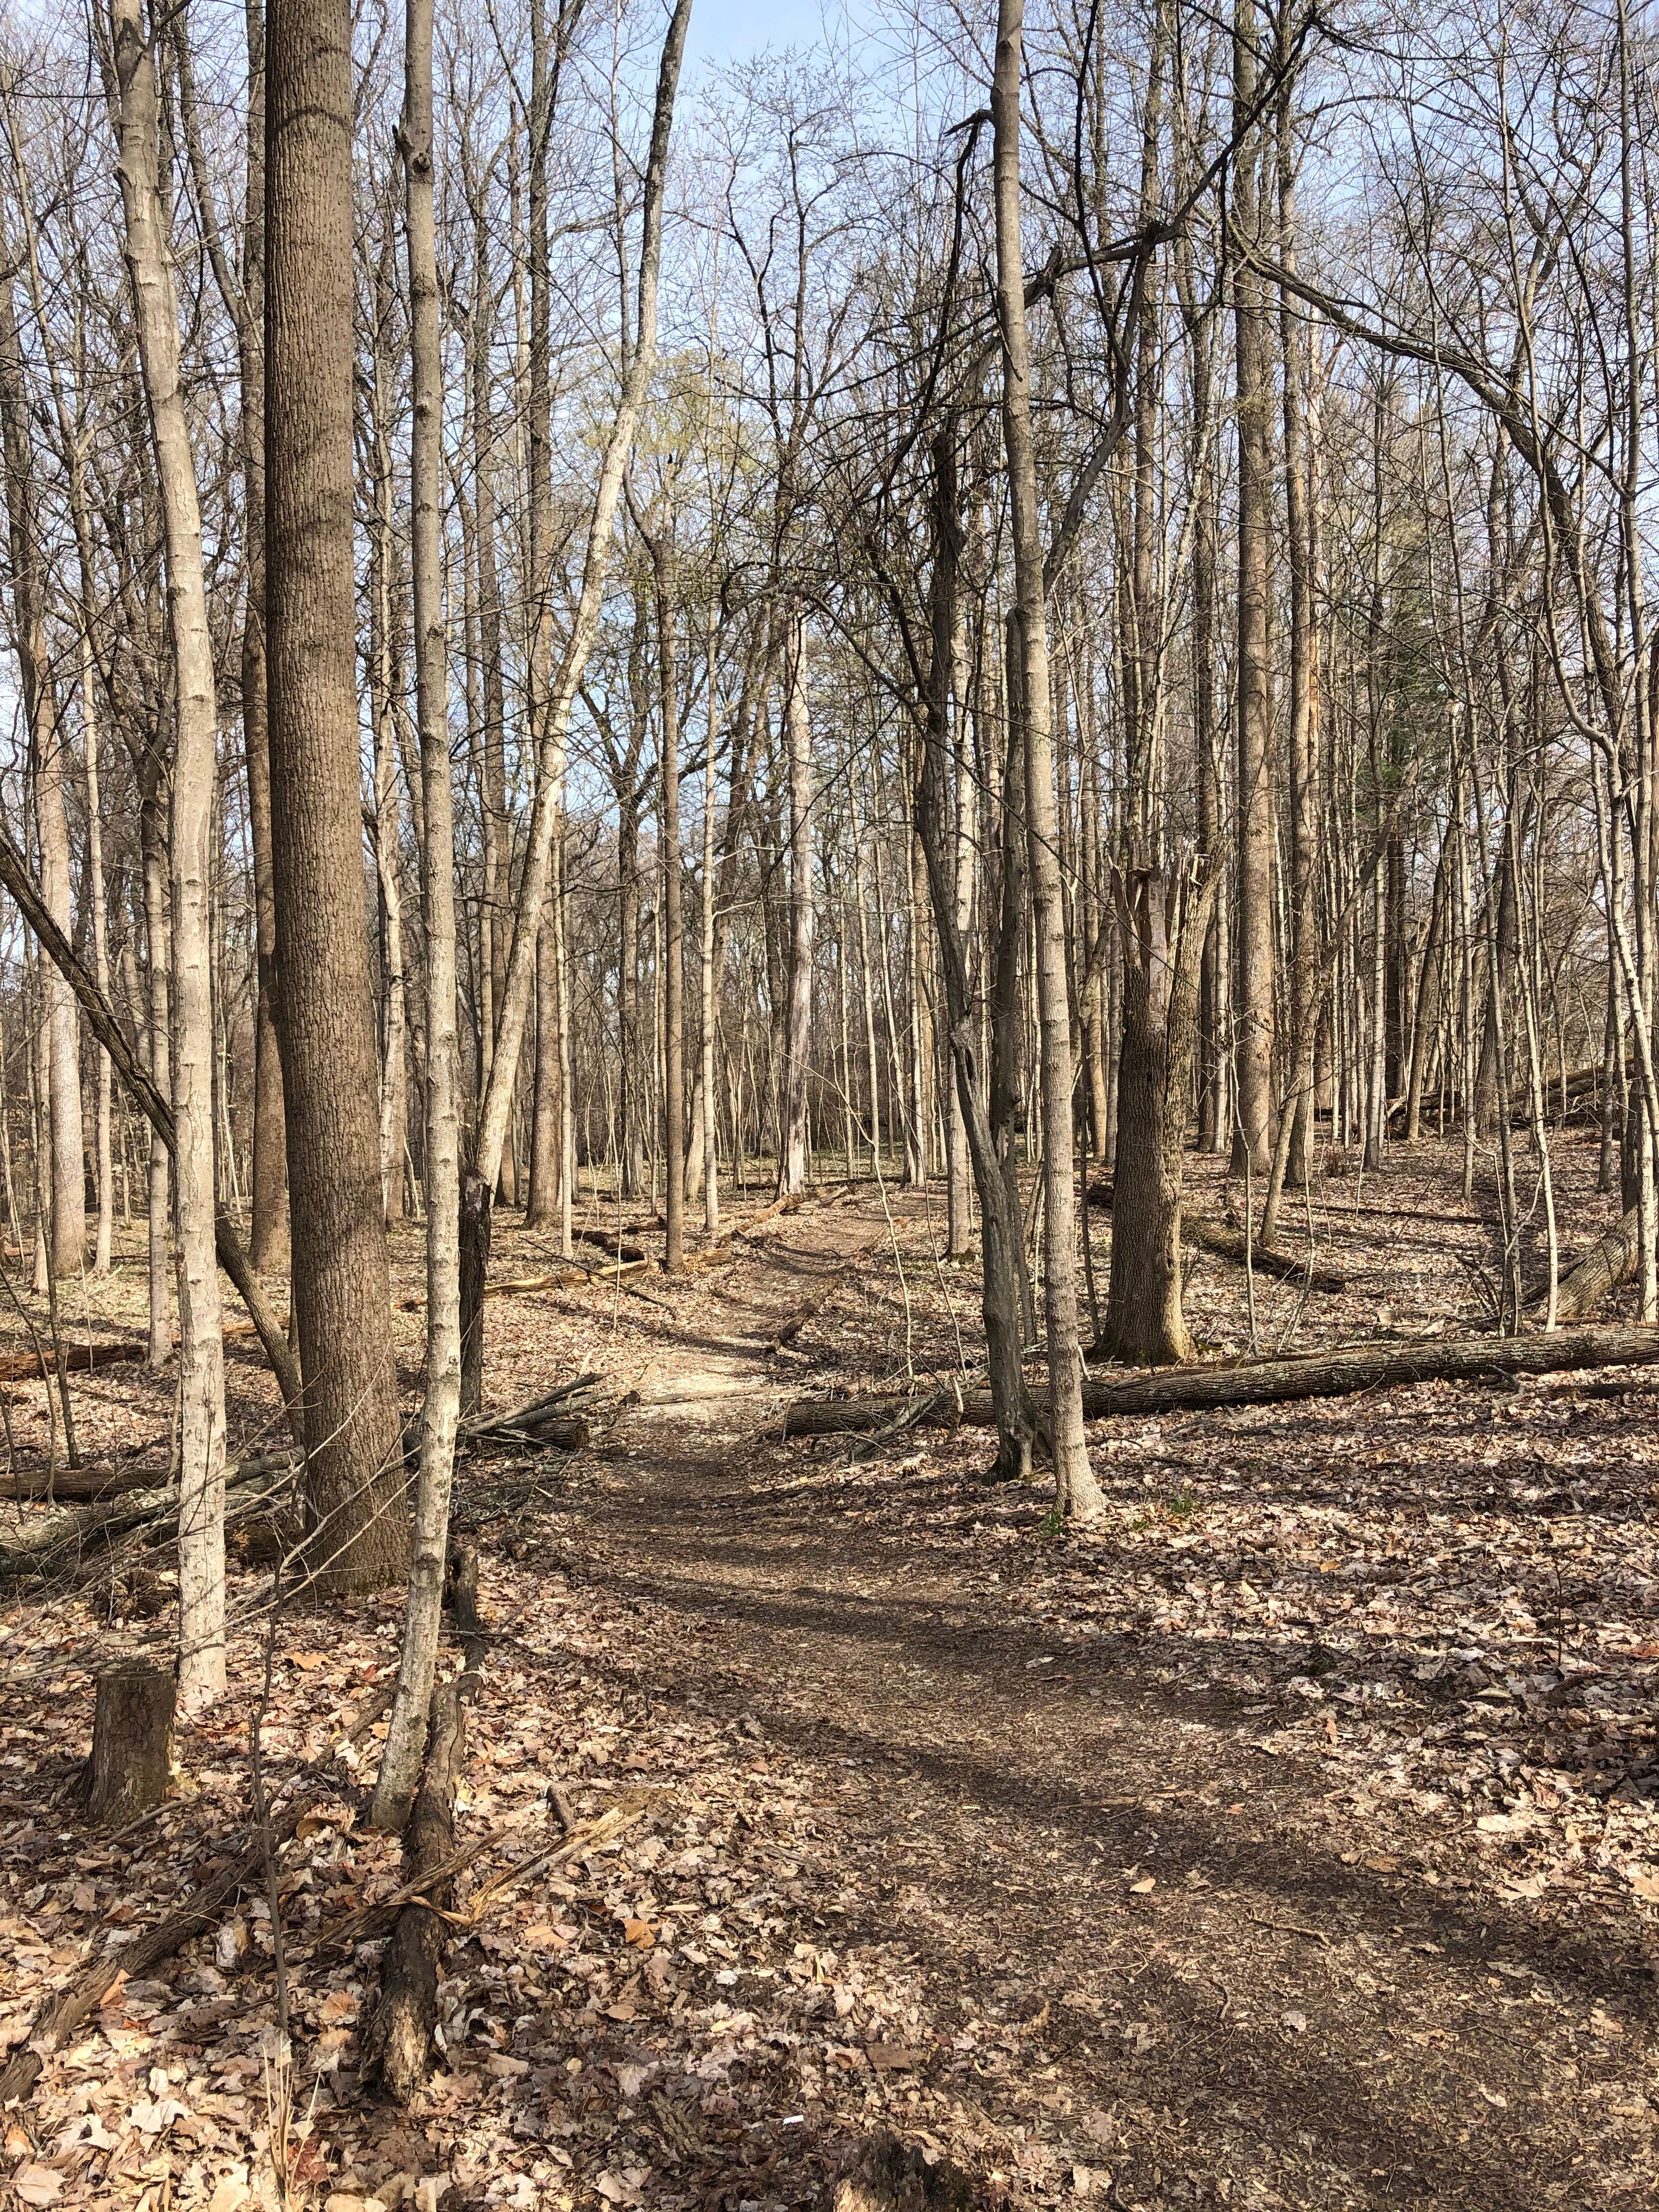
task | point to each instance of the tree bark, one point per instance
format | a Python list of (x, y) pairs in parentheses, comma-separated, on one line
[(202, 1372), (1253, 1134), (1078, 1492), (798, 1010), (1002, 1300), (1163, 923), (68, 1184), (1272, 1381), (401, 1763), (131, 1767), (341, 1285)]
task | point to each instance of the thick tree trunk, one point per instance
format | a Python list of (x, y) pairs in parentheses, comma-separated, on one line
[(130, 1770), (1163, 924), (341, 1287), (202, 1372), (1078, 1492)]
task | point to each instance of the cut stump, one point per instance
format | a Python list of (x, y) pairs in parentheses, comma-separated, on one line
[(131, 1761)]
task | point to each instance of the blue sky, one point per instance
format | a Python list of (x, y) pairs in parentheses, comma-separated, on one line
[(731, 30)]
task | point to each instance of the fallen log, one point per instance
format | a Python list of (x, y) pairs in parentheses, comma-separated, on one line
[(77, 1358), (1335, 1373), (98, 1527), (202, 1909), (1230, 1245), (1608, 1265)]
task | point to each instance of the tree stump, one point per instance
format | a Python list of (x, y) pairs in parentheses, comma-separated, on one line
[(475, 1269), (131, 1761)]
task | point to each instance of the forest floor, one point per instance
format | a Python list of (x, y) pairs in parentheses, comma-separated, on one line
[(1291, 1839)]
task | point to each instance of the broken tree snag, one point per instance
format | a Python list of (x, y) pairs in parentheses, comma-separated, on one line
[(131, 1761), (461, 1598), (399, 2041), (475, 1266), (1608, 1265), (889, 2176), (1273, 1382)]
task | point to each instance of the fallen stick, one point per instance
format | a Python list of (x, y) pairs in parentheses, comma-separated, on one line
[(86, 1995), (584, 1838), (1335, 1374)]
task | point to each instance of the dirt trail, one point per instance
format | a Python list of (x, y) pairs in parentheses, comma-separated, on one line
[(1165, 1936)]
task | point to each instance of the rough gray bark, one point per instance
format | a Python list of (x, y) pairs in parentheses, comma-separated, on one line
[(131, 1766), (341, 1285)]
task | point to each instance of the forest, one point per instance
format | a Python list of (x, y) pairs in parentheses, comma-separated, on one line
[(829, 1105)]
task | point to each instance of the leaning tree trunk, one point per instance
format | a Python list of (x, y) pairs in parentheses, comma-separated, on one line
[(1163, 924), (341, 1285), (1078, 1492), (202, 1371)]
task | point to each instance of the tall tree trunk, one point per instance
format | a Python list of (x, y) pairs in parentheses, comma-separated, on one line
[(268, 1247), (708, 1134), (341, 1287), (797, 1013), (96, 892), (493, 796), (1078, 1492), (400, 1766), (663, 569), (201, 1373), (1253, 1136), (1002, 1294), (153, 836), (68, 1178)]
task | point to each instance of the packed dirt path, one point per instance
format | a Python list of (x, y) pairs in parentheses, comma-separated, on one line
[(1290, 1838), (1151, 1955)]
